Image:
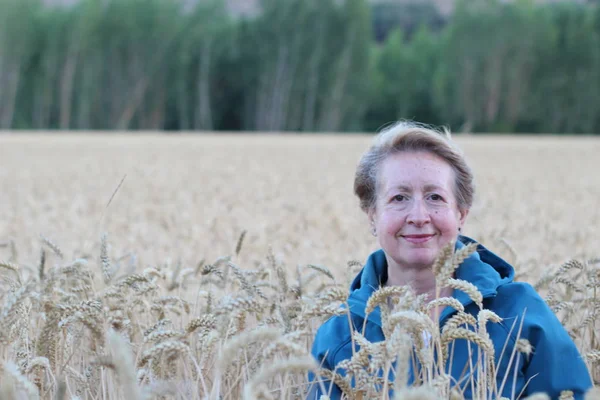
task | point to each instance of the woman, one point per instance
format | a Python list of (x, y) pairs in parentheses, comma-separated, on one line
[(416, 189)]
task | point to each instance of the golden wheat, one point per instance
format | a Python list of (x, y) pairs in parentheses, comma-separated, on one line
[(149, 314)]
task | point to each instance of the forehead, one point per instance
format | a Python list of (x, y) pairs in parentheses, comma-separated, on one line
[(415, 169)]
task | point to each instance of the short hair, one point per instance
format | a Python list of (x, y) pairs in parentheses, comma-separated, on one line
[(412, 137)]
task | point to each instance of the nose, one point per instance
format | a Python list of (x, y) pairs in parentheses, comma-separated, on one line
[(418, 214)]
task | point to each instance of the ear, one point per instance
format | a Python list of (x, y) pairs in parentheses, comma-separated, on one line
[(371, 214), (463, 216)]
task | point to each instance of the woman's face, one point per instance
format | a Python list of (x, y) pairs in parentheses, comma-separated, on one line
[(416, 212)]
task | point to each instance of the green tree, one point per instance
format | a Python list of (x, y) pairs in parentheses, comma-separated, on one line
[(403, 79), (194, 79), (345, 102), (305, 65), (488, 64), (566, 77), (16, 44)]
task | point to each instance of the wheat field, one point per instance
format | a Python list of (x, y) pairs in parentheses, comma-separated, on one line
[(123, 274)]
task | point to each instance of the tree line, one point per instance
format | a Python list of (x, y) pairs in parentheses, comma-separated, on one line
[(299, 65)]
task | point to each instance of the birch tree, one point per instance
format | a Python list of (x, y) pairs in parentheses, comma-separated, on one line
[(15, 44)]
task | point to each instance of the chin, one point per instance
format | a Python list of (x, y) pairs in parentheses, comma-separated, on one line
[(423, 263), (412, 257), (425, 259)]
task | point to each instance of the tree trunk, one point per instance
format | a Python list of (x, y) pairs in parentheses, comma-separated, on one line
[(66, 91), (90, 83), (515, 93), (182, 101), (335, 107), (494, 86), (261, 111), (288, 84), (9, 97), (204, 115), (134, 93), (278, 89), (46, 97), (116, 88), (308, 123), (158, 113), (468, 98), (556, 104)]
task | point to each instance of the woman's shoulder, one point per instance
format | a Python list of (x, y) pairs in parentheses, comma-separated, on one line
[(332, 336), (519, 294), (520, 300), (517, 287), (555, 363)]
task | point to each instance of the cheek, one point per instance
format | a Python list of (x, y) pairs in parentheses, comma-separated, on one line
[(389, 223), (446, 222)]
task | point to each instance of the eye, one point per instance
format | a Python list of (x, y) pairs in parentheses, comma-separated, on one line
[(436, 197), (399, 197)]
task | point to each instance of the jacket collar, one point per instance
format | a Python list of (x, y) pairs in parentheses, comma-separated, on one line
[(483, 268)]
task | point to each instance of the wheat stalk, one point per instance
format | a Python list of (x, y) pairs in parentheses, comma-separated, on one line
[(255, 389), (124, 365)]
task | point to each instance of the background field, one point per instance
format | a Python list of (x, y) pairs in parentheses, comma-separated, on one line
[(184, 202), (188, 198)]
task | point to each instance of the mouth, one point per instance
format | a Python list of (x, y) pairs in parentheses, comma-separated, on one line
[(418, 238)]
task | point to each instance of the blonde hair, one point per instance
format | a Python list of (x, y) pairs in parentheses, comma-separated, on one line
[(412, 137)]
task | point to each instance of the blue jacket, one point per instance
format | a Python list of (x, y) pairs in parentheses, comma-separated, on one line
[(554, 365)]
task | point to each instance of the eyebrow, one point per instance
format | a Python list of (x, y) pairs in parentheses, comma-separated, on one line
[(433, 187), (428, 187)]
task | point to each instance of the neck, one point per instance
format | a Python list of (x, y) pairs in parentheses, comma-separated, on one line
[(420, 279)]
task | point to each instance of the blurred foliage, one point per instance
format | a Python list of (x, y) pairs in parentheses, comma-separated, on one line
[(302, 65)]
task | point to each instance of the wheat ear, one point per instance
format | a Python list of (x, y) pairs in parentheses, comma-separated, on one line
[(11, 372), (52, 246), (254, 388), (106, 268)]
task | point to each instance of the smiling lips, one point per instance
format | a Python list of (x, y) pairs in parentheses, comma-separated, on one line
[(417, 238)]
